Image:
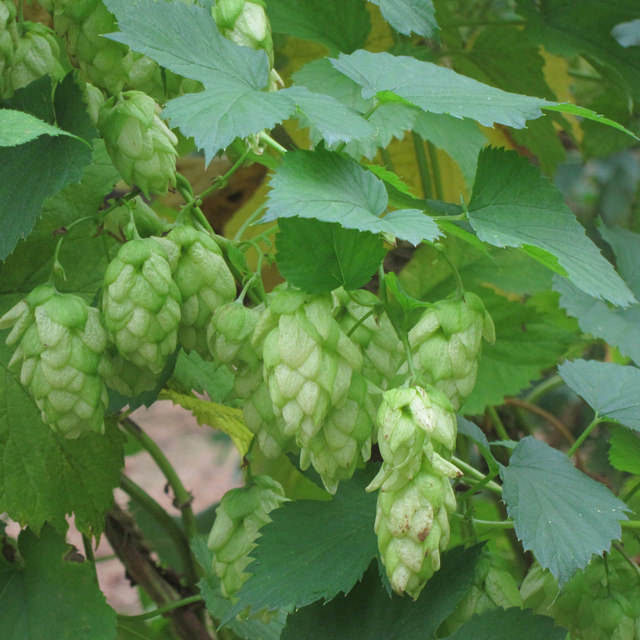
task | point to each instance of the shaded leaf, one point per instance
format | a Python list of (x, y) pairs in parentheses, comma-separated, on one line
[(18, 127), (194, 373), (559, 513), (624, 451), (514, 205), (611, 390), (436, 89), (409, 16), (476, 435), (320, 256), (51, 595)]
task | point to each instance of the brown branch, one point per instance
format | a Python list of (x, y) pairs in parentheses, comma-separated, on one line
[(162, 586)]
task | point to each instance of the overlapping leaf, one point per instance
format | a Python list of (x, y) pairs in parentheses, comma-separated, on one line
[(624, 451), (18, 127), (409, 16), (564, 528), (514, 205)]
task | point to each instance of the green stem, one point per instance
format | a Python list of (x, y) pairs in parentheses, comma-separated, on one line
[(630, 524), (441, 250), (423, 165), (182, 498), (386, 158), (248, 222), (221, 181), (627, 496), (270, 142), (630, 561), (584, 435), (171, 527), (88, 549), (409, 356), (496, 524), (494, 487), (172, 606), (479, 485), (435, 169), (498, 424), (543, 388), (360, 321)]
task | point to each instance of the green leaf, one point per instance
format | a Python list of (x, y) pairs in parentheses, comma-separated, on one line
[(624, 450), (321, 256), (18, 127), (291, 564), (333, 188), (514, 205), (409, 16), (575, 110), (369, 612), (335, 121), (559, 513), (566, 28), (52, 595), (522, 330), (436, 89), (476, 435), (506, 624), (229, 420), (611, 390), (626, 248), (33, 171), (194, 373), (340, 25)]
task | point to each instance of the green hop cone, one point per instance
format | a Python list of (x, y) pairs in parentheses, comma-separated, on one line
[(82, 24), (148, 76), (446, 345), (141, 146), (493, 586), (308, 363), (59, 355), (125, 377), (36, 54), (141, 304), (600, 603), (382, 350), (345, 438), (412, 525), (204, 281), (239, 517), (8, 35)]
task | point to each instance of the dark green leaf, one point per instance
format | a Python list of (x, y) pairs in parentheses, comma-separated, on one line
[(340, 25), (403, 310), (436, 89), (514, 205), (559, 513), (506, 624), (312, 550), (52, 595), (333, 188), (611, 390), (321, 256), (624, 451), (369, 612), (409, 16), (194, 373), (33, 171), (476, 435)]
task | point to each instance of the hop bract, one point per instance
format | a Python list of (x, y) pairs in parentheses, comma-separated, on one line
[(239, 517), (81, 24), (59, 355), (141, 304), (446, 345), (205, 283), (141, 146)]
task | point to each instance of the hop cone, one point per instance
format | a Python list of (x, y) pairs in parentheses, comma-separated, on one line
[(600, 603), (239, 517), (59, 355), (446, 345), (345, 438), (8, 34), (36, 53), (413, 527), (141, 146), (81, 24), (493, 586), (382, 350), (125, 377), (141, 304), (205, 283), (148, 76), (308, 363)]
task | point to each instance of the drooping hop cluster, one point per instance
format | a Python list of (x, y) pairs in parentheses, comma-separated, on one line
[(493, 587), (82, 24), (141, 304), (416, 429), (446, 345), (239, 517), (59, 355), (382, 350), (600, 603), (140, 145), (31, 52)]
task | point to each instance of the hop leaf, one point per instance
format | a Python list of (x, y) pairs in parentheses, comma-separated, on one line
[(240, 515), (59, 356), (141, 304), (141, 146)]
